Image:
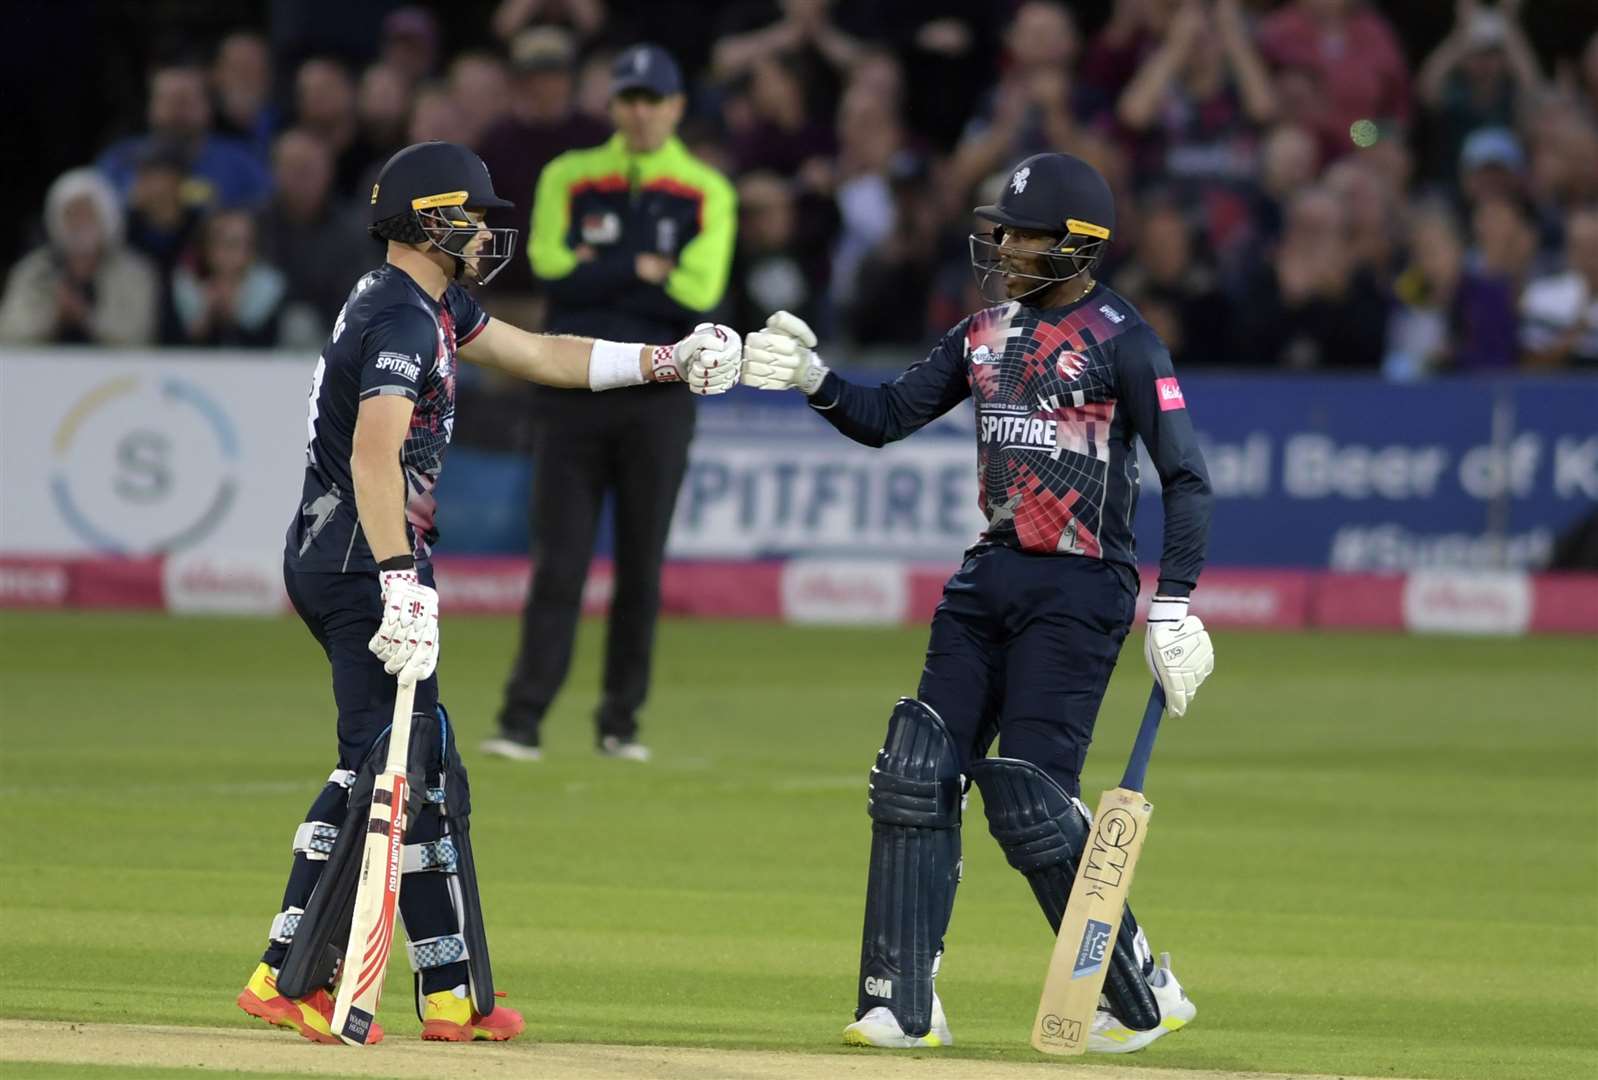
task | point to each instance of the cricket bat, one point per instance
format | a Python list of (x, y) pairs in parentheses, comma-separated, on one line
[(1098, 897), (377, 894)]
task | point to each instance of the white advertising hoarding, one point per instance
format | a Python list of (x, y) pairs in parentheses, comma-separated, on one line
[(143, 453)]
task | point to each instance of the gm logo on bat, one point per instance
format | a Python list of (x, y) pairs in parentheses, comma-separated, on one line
[(1055, 1027)]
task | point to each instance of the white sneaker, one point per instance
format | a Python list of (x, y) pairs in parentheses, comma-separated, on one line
[(626, 749), (1110, 1036), (880, 1027), (506, 746)]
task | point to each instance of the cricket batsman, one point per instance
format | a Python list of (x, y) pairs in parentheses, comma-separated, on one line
[(1065, 375), (358, 571)]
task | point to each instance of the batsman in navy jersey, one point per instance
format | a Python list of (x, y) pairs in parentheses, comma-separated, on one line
[(358, 570), (1066, 378)]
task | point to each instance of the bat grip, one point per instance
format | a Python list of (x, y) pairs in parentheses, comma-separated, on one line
[(1137, 766)]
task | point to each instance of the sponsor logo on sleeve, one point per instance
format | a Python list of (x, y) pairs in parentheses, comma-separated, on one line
[(406, 367), (1170, 394)]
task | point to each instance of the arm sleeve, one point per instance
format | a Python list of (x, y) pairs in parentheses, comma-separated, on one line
[(468, 314), (700, 277), (566, 279), (1159, 416), (883, 414), (398, 348)]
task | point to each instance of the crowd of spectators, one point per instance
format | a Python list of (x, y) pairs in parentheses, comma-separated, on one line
[(1293, 192)]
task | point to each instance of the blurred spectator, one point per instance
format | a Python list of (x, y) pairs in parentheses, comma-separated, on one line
[(870, 137), (479, 84), (901, 266), (161, 220), (1193, 110), (541, 123), (1346, 61), (586, 18), (319, 245), (1476, 78), (1563, 174), (1289, 160), (382, 106), (1491, 166), (241, 79), (803, 32), (778, 133), (224, 171), (1133, 31), (1179, 296), (1030, 110), (1559, 312), (781, 262), (434, 115), (224, 295), (593, 86), (410, 42), (1312, 307), (324, 104), (1372, 211), (1424, 325), (1504, 247), (82, 286)]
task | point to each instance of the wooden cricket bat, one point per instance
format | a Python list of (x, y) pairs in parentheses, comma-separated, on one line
[(377, 895), (1098, 897)]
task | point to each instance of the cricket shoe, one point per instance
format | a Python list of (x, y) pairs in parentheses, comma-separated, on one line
[(880, 1027), (515, 747), (1110, 1036), (448, 1016), (311, 1015), (626, 749)]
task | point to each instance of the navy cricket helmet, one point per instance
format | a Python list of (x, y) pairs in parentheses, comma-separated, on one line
[(422, 197), (1057, 194)]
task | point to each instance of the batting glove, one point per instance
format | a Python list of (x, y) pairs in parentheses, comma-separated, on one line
[(708, 360), (407, 640), (1178, 651), (783, 357)]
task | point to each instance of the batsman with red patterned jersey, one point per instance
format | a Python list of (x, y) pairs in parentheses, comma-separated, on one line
[(1065, 375)]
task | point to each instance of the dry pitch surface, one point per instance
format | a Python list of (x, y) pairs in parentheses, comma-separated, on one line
[(246, 1052)]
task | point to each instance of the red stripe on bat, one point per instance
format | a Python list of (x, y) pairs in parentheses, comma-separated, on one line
[(380, 940)]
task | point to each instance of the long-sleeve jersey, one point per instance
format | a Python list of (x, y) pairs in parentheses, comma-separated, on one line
[(1060, 395)]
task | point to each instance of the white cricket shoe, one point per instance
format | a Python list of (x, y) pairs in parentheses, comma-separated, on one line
[(880, 1027), (1110, 1036), (513, 747), (626, 749)]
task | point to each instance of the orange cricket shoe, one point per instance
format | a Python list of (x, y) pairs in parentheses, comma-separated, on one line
[(311, 1015), (448, 1016)]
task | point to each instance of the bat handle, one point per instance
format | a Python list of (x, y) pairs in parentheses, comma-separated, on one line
[(1137, 766)]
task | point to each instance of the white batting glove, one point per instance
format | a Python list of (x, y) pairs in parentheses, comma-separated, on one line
[(1178, 651), (708, 360), (407, 640), (783, 357)]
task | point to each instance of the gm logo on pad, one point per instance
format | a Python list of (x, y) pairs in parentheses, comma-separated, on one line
[(1090, 954)]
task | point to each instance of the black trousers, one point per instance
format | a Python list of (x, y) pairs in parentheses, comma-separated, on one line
[(630, 444), (1022, 647)]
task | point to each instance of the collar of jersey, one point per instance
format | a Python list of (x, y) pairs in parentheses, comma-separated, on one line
[(670, 150), (1074, 304)]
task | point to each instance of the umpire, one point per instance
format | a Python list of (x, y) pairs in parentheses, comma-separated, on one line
[(634, 238)]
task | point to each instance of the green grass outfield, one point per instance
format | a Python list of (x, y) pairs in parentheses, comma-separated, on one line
[(1371, 855)]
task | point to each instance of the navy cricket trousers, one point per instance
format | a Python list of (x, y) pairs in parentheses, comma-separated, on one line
[(1022, 647), (343, 611)]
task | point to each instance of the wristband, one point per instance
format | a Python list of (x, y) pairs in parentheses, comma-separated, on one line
[(612, 365), (1167, 609), (398, 562)]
